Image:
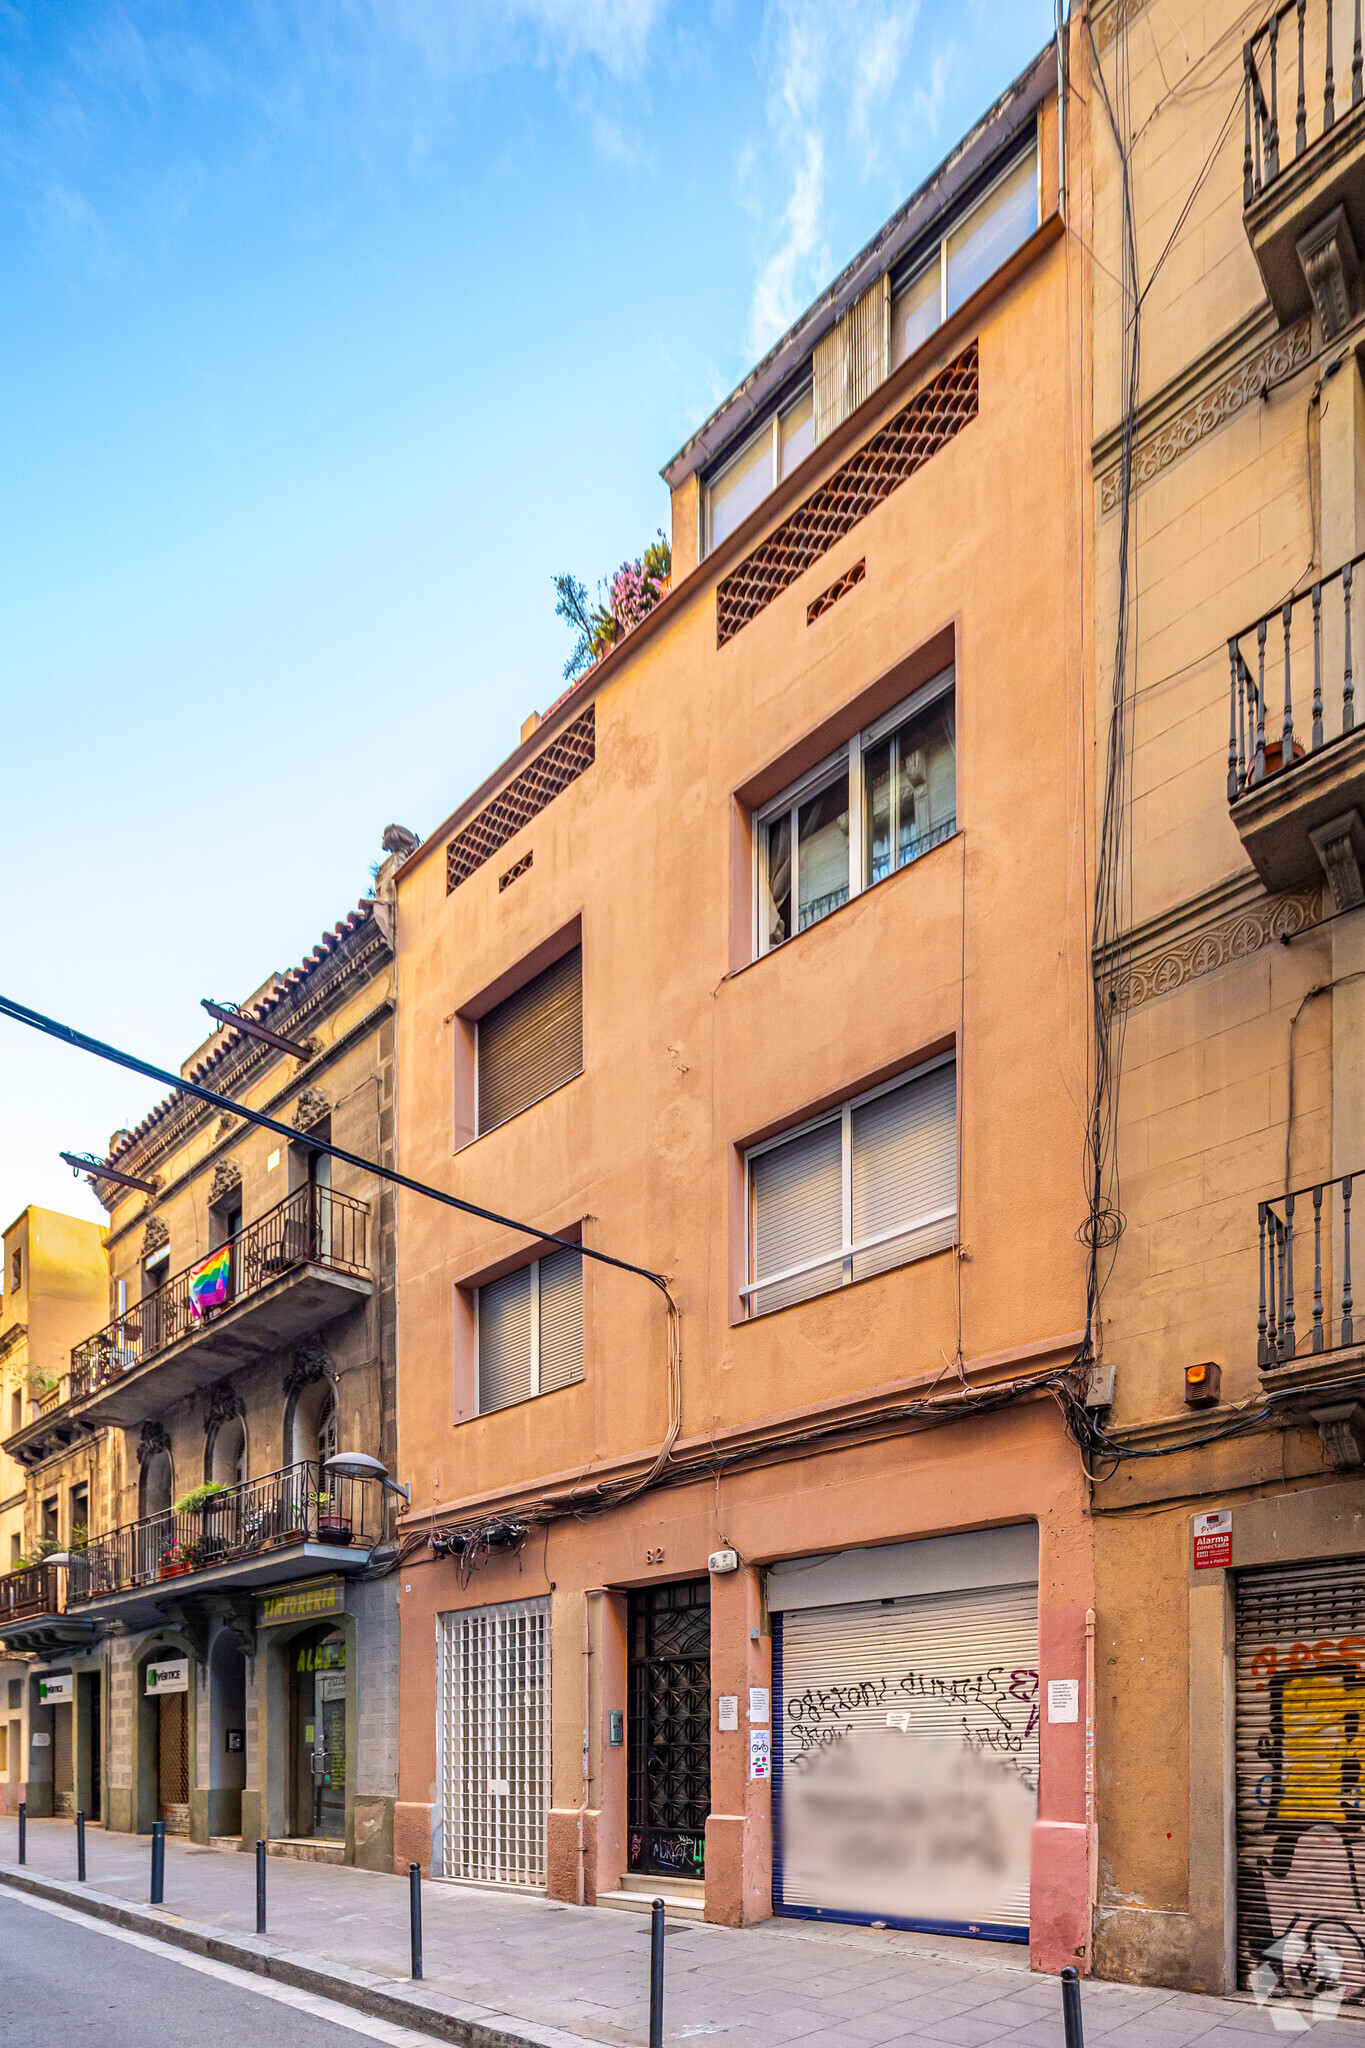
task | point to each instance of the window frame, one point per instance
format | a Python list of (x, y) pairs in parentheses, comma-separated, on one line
[(534, 1389), (952, 227), (478, 1023), (772, 429), (849, 756), (841, 1113)]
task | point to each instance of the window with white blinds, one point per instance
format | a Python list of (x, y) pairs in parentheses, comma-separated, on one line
[(868, 1186), (531, 1043), (530, 1330)]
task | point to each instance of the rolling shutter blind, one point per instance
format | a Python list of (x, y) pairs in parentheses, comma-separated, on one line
[(1300, 1776), (798, 1208), (561, 1320), (852, 359), (905, 1171), (505, 1340), (532, 1043), (961, 1664)]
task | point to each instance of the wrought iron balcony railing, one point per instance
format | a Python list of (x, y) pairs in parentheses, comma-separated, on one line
[(1310, 634), (312, 1226), (1320, 1317), (1264, 60), (300, 1504), (33, 1589)]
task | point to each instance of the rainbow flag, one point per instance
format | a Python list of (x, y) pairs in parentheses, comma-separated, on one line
[(210, 1281)]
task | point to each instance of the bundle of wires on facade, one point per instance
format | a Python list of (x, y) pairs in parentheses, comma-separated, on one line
[(1111, 920)]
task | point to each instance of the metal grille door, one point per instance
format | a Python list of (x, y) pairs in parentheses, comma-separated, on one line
[(669, 1754), (959, 1668), (495, 1737), (1301, 1783)]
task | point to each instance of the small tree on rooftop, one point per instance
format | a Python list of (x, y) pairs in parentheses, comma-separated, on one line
[(633, 592)]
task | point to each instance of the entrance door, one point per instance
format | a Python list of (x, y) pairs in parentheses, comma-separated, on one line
[(669, 1754), (63, 1774), (318, 1735), (1301, 1783), (173, 1761)]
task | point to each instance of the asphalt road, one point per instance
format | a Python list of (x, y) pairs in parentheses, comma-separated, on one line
[(74, 1981)]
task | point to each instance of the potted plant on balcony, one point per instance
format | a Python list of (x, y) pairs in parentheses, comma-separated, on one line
[(333, 1526), (208, 1502), (175, 1559)]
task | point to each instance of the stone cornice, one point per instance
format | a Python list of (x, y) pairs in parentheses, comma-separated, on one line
[(1228, 377), (1107, 17), (1229, 921)]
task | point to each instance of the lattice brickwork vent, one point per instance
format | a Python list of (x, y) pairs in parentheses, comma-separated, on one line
[(827, 599), (901, 447), (538, 784)]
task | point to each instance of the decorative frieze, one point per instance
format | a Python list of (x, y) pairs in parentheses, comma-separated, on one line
[(311, 1107), (1211, 409), (1202, 952), (227, 1178)]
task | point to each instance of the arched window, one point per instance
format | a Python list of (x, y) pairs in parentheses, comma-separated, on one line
[(227, 1452), (157, 1483), (315, 1436)]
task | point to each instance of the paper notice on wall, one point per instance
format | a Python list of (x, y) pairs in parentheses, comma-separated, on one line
[(1213, 1540), (758, 1702), (760, 1753), (1063, 1699), (727, 1712)]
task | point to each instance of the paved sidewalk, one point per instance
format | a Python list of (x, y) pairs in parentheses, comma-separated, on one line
[(502, 1969)]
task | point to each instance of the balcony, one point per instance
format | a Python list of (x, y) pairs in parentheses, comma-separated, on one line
[(1296, 775), (31, 1612), (288, 1525), (292, 1270), (1303, 206), (1310, 1352), (50, 1429)]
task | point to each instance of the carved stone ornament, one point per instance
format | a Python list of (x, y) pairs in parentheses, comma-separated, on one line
[(155, 1237), (310, 1362), (1204, 952), (225, 1124), (222, 1405), (1340, 846), (310, 1109), (152, 1441), (397, 839), (1331, 268), (1212, 409), (227, 1177)]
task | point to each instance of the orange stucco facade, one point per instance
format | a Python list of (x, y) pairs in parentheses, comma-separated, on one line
[(792, 1439)]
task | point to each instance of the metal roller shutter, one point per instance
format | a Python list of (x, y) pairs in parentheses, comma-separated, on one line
[(532, 1043), (494, 1727), (1301, 1781), (960, 1665)]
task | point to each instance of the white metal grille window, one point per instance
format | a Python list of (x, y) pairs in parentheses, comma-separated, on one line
[(530, 1330), (494, 1725), (868, 1186), (883, 800), (999, 223), (532, 1043)]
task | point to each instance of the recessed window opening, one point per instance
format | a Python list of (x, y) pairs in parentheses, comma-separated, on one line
[(972, 250), (530, 1044), (887, 797), (863, 1187), (778, 447), (156, 1271), (529, 1330)]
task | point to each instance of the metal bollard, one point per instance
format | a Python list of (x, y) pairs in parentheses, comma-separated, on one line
[(158, 1863), (23, 1832), (80, 1847), (260, 1887), (1071, 2008), (656, 1974), (415, 1915)]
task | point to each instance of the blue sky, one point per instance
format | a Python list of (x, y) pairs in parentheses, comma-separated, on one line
[(332, 329)]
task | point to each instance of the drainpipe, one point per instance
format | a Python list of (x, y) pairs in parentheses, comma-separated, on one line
[(1061, 109), (1091, 1829), (587, 1758)]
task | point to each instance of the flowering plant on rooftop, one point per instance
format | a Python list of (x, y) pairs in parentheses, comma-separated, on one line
[(632, 592)]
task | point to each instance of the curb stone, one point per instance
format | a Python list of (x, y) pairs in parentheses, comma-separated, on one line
[(428, 2012)]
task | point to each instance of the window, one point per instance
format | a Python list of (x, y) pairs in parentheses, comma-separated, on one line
[(1001, 220), (16, 1269), (530, 1044), (78, 1526), (530, 1330), (16, 1551), (49, 1527), (16, 1410), (873, 807), (865, 1187), (780, 445)]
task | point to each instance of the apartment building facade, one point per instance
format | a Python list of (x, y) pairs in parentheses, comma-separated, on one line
[(1230, 1552), (225, 1629), (751, 969), (56, 1282)]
